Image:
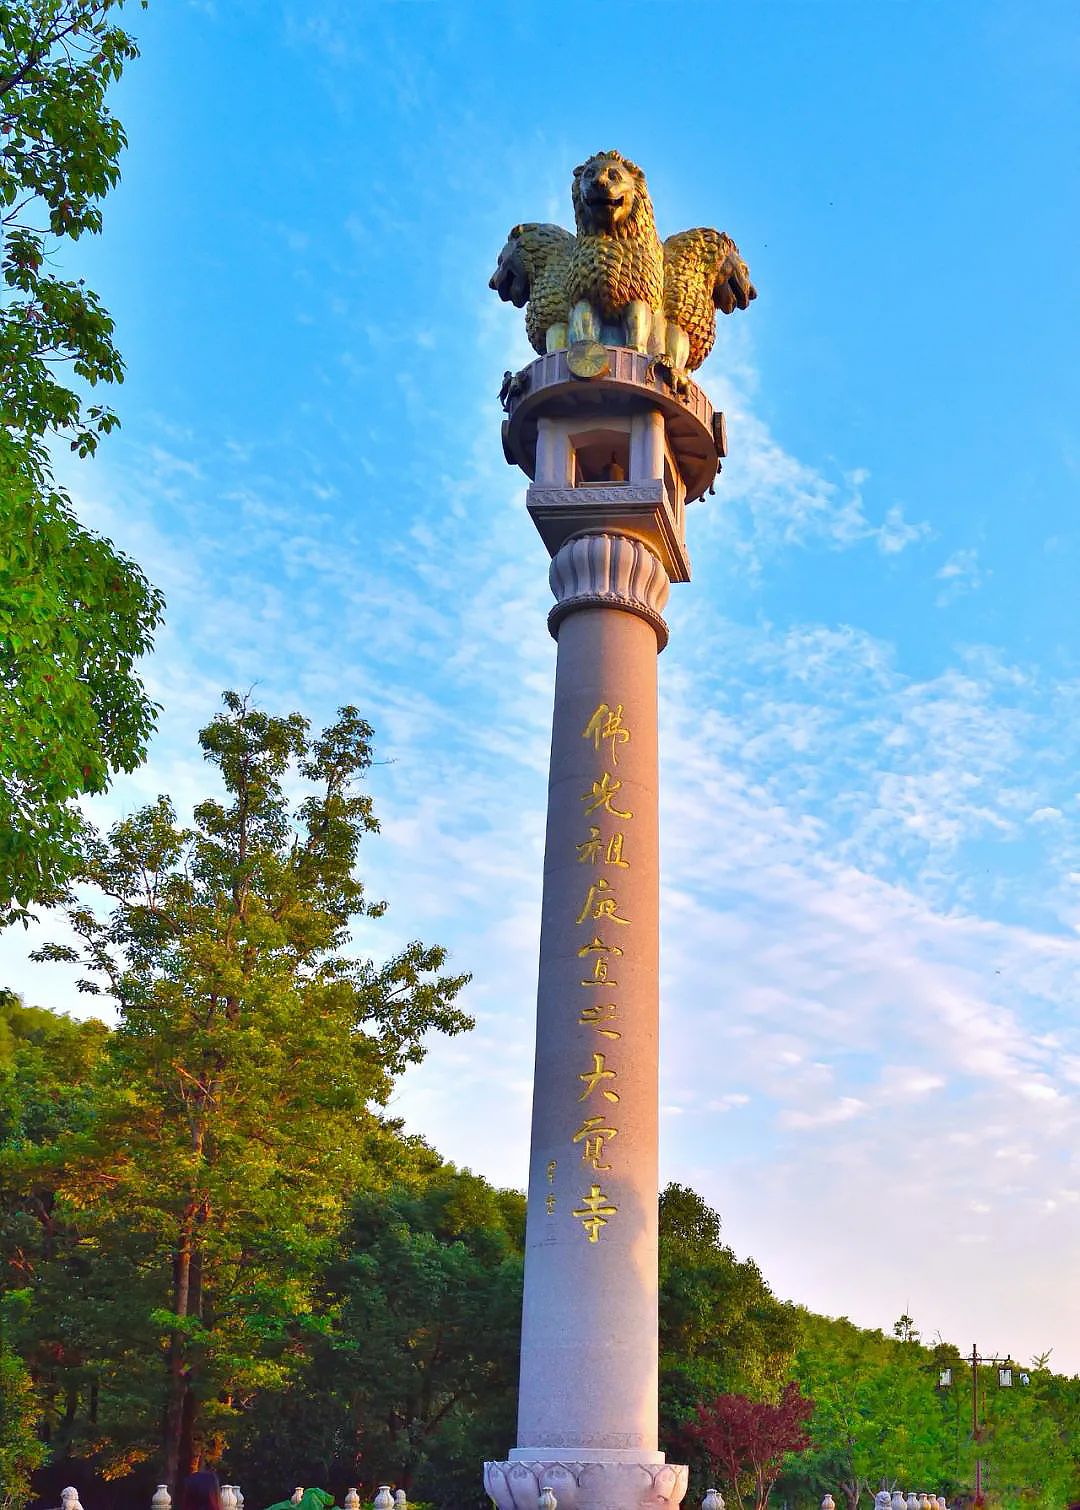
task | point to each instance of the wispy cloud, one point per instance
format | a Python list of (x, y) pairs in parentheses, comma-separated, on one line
[(960, 574)]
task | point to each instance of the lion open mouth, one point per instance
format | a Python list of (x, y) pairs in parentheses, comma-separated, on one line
[(604, 201)]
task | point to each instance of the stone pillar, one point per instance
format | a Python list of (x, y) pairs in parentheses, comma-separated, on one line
[(587, 1413), (614, 458)]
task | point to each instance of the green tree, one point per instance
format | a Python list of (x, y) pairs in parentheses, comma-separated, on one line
[(878, 1414), (1029, 1438), (414, 1380), (21, 1449), (45, 1061), (75, 614), (722, 1330), (234, 1115)]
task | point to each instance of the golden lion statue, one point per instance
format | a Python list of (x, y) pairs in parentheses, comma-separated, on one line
[(533, 266), (615, 282), (616, 277), (703, 272)]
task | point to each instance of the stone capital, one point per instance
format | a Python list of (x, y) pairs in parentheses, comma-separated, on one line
[(607, 570)]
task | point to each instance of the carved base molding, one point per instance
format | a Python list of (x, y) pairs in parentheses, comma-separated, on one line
[(609, 571), (586, 1485)]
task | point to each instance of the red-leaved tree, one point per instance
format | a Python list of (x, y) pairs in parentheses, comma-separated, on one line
[(744, 1442)]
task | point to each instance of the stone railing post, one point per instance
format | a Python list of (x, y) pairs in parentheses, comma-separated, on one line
[(162, 1499)]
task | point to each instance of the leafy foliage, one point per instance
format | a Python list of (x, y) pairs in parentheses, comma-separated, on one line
[(413, 1379), (721, 1328), (75, 614), (58, 158), (21, 1449), (877, 1412)]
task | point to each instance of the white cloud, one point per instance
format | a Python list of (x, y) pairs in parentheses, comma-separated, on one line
[(961, 574)]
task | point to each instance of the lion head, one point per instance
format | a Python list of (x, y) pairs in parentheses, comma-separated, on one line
[(510, 280), (611, 197)]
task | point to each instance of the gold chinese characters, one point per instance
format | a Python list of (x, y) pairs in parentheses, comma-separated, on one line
[(604, 918)]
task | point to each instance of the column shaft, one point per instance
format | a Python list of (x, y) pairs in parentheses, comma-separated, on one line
[(589, 1334)]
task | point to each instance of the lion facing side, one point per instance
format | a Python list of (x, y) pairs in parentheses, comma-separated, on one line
[(532, 270), (703, 272)]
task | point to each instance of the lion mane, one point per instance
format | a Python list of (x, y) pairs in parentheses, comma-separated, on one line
[(703, 272), (532, 267), (611, 266)]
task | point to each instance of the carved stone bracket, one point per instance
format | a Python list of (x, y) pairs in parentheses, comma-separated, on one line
[(586, 1486), (609, 571)]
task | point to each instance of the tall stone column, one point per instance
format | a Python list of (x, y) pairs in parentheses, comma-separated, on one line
[(615, 458), (589, 1351), (587, 1410), (617, 439)]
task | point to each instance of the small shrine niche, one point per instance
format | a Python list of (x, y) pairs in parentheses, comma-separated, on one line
[(613, 449), (600, 456)]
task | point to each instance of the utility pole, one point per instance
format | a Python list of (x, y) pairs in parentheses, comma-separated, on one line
[(1005, 1372), (975, 1421)]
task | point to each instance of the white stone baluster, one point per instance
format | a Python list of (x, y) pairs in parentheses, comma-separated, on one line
[(162, 1499), (384, 1500), (547, 1501), (713, 1500), (351, 1500), (400, 1501), (297, 1494)]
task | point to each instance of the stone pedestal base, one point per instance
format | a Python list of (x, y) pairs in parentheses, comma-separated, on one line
[(588, 1485)]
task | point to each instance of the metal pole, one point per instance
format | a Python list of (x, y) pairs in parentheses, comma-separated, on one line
[(975, 1420)]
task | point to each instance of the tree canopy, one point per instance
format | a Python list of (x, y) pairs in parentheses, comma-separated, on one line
[(75, 613)]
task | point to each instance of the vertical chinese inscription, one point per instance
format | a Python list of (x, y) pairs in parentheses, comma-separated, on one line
[(604, 920)]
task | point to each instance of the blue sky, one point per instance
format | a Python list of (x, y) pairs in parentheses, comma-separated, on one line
[(871, 701)]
